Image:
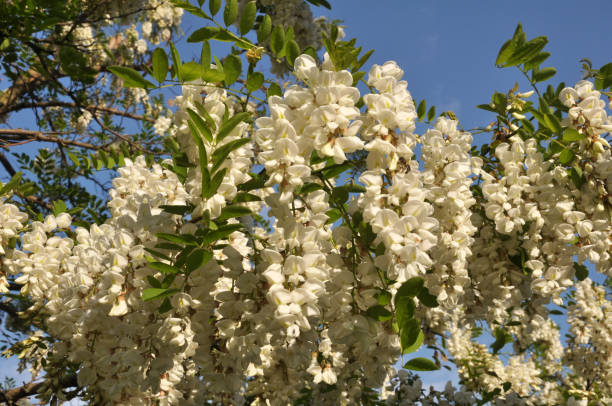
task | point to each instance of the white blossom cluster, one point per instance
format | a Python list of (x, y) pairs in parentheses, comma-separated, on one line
[(282, 311)]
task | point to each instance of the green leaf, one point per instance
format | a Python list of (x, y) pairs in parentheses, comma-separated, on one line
[(265, 28), (582, 272), (427, 298), (176, 61), (292, 51), (212, 75), (254, 81), (527, 51), (160, 64), (277, 41), (191, 71), (431, 114), (153, 282), (230, 124), (201, 125), (248, 17), (571, 135), (214, 184), (577, 176), (207, 117), (185, 239), (232, 69), (11, 184), (214, 6), (157, 293), (421, 109), (274, 90), (500, 340), (197, 259), (411, 288), (537, 60), (130, 77), (505, 52), (404, 309), (407, 349), (164, 268), (203, 34), (230, 13), (243, 197), (379, 313), (335, 170), (309, 188), (421, 364), (383, 298), (566, 156), (544, 74), (361, 61), (221, 233), (409, 333), (333, 215), (205, 55), (233, 211), (59, 206)]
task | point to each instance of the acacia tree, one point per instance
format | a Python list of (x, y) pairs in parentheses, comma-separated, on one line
[(287, 245)]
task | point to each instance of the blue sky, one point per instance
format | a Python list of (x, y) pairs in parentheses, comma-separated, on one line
[(447, 50)]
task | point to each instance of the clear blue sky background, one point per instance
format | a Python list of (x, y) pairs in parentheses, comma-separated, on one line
[(448, 48)]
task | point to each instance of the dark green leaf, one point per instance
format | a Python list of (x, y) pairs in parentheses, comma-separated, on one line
[(176, 61), (176, 209), (500, 340), (130, 77), (214, 184), (544, 74), (577, 176), (427, 298), (527, 51), (160, 64), (335, 170), (214, 6), (185, 239), (309, 188), (505, 52), (292, 51), (277, 41), (243, 197), (164, 268), (411, 288), (230, 13), (203, 34), (196, 259), (205, 56), (221, 233), (200, 124), (233, 211), (212, 75), (421, 109), (59, 206), (379, 313), (265, 27), (248, 17), (404, 309), (431, 114), (157, 293), (421, 364), (230, 124), (582, 272)]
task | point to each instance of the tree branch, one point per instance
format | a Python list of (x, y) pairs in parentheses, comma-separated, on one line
[(22, 134), (11, 396)]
